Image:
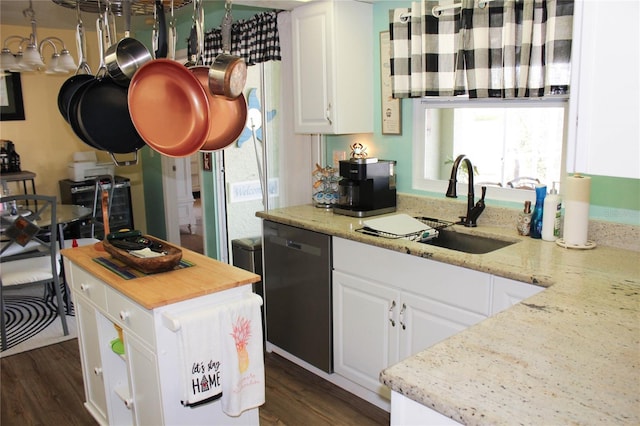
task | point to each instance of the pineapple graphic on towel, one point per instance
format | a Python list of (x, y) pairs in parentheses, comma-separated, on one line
[(241, 333)]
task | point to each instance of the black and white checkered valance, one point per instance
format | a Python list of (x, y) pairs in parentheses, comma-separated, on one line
[(255, 40), (506, 49)]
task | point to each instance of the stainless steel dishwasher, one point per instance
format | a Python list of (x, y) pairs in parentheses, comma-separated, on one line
[(297, 286)]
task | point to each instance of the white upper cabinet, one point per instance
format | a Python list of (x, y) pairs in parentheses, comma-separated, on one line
[(333, 67), (604, 134)]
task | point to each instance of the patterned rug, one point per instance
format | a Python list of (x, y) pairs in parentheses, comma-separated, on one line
[(32, 322)]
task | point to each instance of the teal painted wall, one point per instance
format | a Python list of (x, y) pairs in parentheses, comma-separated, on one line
[(153, 192), (612, 199)]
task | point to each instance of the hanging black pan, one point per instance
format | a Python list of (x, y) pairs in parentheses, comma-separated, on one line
[(82, 75), (99, 112)]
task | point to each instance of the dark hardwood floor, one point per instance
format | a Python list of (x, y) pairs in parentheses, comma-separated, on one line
[(44, 387)]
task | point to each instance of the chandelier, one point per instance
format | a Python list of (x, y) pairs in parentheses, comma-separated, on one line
[(29, 54)]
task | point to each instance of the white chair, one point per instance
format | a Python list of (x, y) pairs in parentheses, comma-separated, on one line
[(29, 254)]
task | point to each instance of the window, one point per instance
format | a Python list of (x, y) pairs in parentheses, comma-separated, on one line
[(504, 140)]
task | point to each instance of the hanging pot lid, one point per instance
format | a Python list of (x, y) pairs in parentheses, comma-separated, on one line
[(169, 108)]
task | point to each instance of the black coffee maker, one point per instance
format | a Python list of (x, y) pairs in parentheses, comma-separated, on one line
[(367, 187)]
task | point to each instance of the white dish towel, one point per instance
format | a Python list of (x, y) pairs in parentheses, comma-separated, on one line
[(243, 385), (201, 355)]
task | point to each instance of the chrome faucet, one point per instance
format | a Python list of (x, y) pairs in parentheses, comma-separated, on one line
[(473, 211)]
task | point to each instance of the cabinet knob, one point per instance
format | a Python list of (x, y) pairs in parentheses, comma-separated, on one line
[(84, 287), (124, 315), (128, 403), (391, 308), (97, 371)]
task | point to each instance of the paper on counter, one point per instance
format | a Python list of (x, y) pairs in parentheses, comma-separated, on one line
[(398, 224)]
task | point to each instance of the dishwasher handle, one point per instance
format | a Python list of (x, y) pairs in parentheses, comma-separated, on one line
[(295, 245), (292, 244)]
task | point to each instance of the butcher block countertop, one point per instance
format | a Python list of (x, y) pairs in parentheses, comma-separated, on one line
[(568, 355), (206, 276)]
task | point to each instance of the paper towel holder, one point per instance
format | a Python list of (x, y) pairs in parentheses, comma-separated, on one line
[(587, 246)]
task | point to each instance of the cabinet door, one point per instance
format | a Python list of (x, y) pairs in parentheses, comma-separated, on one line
[(365, 330), (605, 105), (332, 61), (91, 361), (507, 293), (144, 384), (312, 59), (424, 322)]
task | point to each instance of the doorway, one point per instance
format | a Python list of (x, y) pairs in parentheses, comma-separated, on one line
[(192, 232)]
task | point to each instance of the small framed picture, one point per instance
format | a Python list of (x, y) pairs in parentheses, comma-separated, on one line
[(391, 108), (11, 106)]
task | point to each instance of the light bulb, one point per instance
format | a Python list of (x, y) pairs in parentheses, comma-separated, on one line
[(32, 60), (53, 66), (66, 62), (7, 60)]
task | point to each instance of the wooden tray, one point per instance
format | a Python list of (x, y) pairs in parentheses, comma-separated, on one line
[(150, 265)]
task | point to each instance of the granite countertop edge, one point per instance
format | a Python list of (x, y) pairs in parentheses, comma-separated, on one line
[(570, 354)]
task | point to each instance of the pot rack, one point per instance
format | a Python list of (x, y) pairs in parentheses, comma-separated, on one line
[(138, 7)]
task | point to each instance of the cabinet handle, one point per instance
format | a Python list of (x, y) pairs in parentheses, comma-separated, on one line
[(393, 306), (84, 287), (328, 114), (128, 403), (97, 371), (402, 311), (124, 315)]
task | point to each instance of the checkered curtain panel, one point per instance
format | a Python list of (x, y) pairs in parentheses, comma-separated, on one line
[(255, 40), (507, 49)]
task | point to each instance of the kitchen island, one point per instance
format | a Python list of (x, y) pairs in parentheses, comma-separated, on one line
[(128, 338), (567, 355)]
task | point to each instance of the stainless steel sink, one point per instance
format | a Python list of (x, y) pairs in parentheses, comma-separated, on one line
[(467, 243)]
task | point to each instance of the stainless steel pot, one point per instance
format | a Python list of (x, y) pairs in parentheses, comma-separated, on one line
[(227, 73), (126, 56)]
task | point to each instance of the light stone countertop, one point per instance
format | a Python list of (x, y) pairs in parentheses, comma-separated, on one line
[(568, 355)]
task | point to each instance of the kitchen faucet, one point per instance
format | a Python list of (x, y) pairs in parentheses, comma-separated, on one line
[(473, 212)]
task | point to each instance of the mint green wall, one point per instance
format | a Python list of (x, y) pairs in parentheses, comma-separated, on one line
[(153, 192), (612, 199)]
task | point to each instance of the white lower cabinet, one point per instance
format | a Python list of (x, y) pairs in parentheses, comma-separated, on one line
[(388, 306), (507, 292)]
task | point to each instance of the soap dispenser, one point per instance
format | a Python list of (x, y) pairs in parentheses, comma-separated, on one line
[(551, 215), (538, 211)]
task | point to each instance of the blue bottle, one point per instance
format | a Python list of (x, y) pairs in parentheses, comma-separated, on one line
[(536, 216)]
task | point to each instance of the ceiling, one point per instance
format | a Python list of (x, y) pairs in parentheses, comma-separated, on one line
[(51, 15)]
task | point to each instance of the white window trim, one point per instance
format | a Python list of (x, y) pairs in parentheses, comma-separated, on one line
[(493, 193)]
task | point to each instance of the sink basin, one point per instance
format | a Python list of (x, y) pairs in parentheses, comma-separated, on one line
[(467, 243)]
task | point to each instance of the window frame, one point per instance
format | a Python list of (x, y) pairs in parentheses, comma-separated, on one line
[(419, 183)]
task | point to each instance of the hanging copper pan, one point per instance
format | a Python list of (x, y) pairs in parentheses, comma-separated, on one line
[(169, 108), (227, 116)]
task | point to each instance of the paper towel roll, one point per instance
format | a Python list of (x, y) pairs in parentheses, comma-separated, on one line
[(576, 210)]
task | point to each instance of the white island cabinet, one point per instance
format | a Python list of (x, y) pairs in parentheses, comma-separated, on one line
[(332, 62), (142, 386)]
